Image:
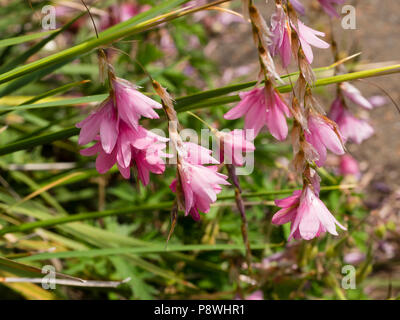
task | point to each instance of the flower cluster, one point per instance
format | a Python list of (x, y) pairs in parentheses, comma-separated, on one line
[(312, 133), (120, 139)]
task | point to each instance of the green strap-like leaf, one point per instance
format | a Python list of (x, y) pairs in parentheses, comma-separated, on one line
[(142, 250), (25, 38)]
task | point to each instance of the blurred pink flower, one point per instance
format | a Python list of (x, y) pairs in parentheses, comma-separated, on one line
[(234, 143), (308, 37), (327, 5), (298, 6), (308, 215), (256, 295), (349, 166), (322, 135), (281, 36), (262, 107), (354, 258), (378, 101), (121, 13), (351, 128), (354, 95)]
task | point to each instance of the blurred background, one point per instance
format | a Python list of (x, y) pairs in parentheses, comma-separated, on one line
[(207, 50)]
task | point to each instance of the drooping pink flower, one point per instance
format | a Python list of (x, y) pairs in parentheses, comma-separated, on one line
[(351, 128), (127, 104), (262, 107), (134, 147), (307, 214), (309, 37), (322, 135), (200, 184), (354, 95), (132, 104), (103, 122), (119, 137), (232, 145), (327, 5), (349, 166), (281, 36), (289, 207)]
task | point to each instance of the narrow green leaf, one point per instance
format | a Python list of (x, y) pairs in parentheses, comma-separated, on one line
[(20, 59), (37, 141), (24, 270), (59, 103), (143, 250), (47, 94), (25, 38)]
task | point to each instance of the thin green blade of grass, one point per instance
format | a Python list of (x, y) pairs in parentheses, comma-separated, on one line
[(20, 59), (25, 38), (59, 103), (48, 94), (160, 248), (37, 141)]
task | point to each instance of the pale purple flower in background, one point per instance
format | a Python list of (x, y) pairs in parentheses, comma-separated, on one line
[(167, 43), (121, 13), (262, 107), (234, 144), (308, 215), (354, 95), (378, 101), (322, 135), (298, 6), (351, 128), (327, 5), (309, 37), (281, 36), (354, 257), (348, 166)]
